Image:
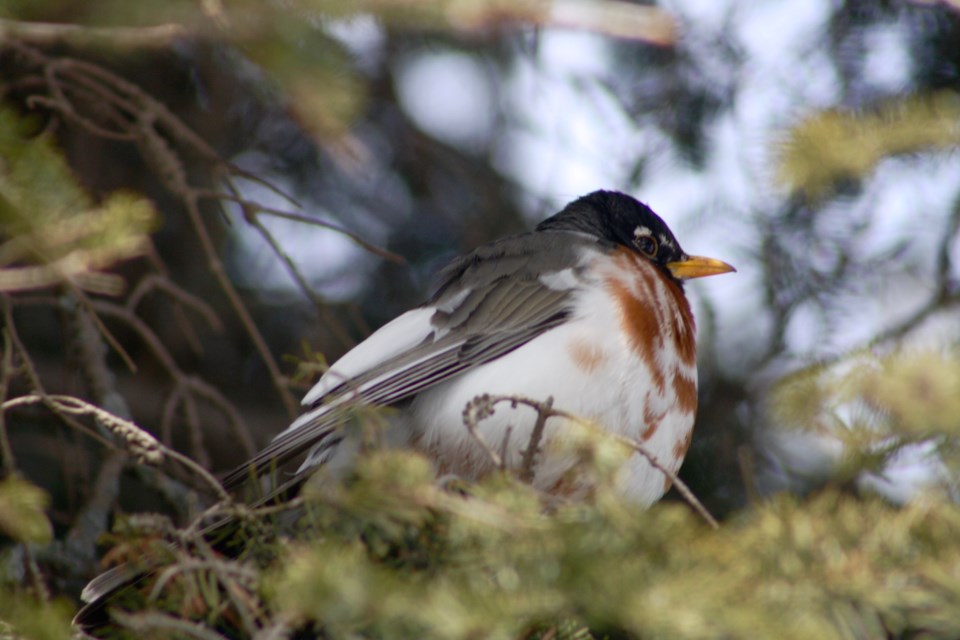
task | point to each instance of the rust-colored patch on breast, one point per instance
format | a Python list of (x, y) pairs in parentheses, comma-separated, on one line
[(651, 429), (682, 445), (685, 391), (653, 310), (684, 332), (585, 355), (638, 317), (651, 420)]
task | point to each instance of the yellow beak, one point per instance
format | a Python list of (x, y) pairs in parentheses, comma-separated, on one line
[(698, 267)]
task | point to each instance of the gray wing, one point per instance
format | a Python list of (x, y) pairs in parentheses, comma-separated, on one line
[(489, 302)]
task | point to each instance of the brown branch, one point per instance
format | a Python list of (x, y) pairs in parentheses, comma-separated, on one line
[(34, 378), (102, 328), (220, 275), (8, 461), (92, 355), (251, 206), (476, 410), (179, 314), (234, 418), (195, 431), (138, 441), (147, 117), (529, 462), (319, 303), (160, 282), (46, 34), (232, 569), (153, 342)]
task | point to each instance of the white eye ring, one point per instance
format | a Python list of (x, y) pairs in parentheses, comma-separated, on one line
[(647, 245)]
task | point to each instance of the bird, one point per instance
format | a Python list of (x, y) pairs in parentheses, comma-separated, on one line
[(587, 311)]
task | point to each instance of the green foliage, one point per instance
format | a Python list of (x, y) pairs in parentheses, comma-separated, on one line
[(55, 231), (832, 146), (397, 558), (23, 511), (23, 616), (877, 405)]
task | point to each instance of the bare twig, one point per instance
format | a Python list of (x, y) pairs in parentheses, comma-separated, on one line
[(160, 282), (220, 274), (482, 407), (85, 302), (92, 355), (194, 384), (34, 378), (476, 410), (142, 120), (319, 303), (234, 570), (529, 461), (180, 316), (249, 205)]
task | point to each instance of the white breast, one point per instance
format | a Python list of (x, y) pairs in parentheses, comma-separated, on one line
[(590, 369)]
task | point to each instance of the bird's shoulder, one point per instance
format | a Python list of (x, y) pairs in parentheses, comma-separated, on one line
[(522, 258)]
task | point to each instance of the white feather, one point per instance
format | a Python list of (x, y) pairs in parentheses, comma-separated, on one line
[(397, 336), (616, 394)]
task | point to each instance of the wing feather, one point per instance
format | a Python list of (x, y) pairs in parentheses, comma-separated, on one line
[(489, 303)]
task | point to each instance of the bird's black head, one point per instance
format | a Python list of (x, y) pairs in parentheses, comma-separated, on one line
[(622, 220)]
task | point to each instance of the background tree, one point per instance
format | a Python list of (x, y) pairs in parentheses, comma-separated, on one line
[(198, 200)]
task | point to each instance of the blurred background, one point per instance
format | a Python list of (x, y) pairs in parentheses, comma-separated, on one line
[(811, 143)]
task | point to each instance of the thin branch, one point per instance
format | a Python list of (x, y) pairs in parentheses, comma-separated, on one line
[(34, 378), (476, 410), (249, 205), (7, 460), (166, 625), (195, 431), (482, 407), (160, 282), (180, 316), (89, 306), (232, 569), (321, 305), (529, 462), (47, 34), (138, 441), (220, 274), (173, 370)]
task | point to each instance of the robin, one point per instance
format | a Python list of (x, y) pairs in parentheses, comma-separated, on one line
[(588, 309)]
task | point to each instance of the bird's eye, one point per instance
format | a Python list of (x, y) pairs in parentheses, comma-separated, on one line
[(646, 244)]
